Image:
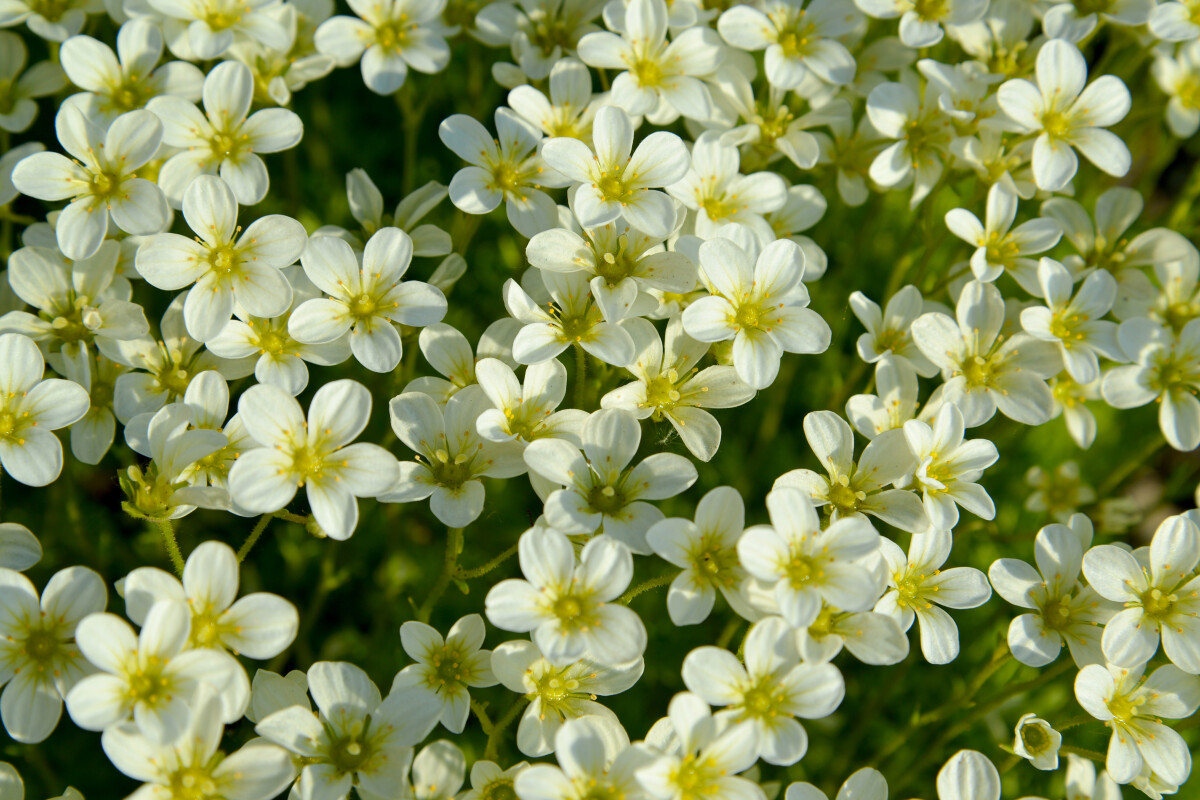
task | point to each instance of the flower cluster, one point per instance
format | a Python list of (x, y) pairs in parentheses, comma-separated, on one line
[(664, 168)]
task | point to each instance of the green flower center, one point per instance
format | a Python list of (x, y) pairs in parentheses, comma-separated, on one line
[(613, 187), (224, 145), (150, 685), (105, 184), (193, 783), (393, 35), (748, 316), (42, 645), (606, 499), (499, 789), (1158, 604), (451, 472), (801, 569), (1035, 738), (448, 671)]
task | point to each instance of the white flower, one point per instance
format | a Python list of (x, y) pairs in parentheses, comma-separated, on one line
[(150, 676), (77, 302), (19, 91), (1132, 707), (568, 110), (502, 169), (449, 352), (368, 300), (613, 182), (1175, 21), (918, 583), (19, 548), (866, 784), (923, 132), (359, 739), (895, 403), (569, 607), (53, 23), (366, 206), (1065, 115), (600, 489), (921, 23), (200, 30), (1162, 596), (525, 413), (871, 637), (281, 360), (489, 781), (30, 408), (116, 82), (1106, 244), (438, 771), (852, 490), (969, 775), (391, 37), (1177, 75), (1064, 610), (8, 162), (223, 140), (721, 195), (982, 369), (451, 455), (702, 758), (948, 466), (101, 181), (572, 319), (447, 667), (1076, 323), (163, 368), (39, 661), (799, 38), (706, 551), (999, 247), (168, 487), (538, 34), (768, 692), (315, 453), (669, 386), (889, 331), (226, 267), (1084, 784), (803, 565), (625, 264), (762, 306), (1037, 742), (1166, 368), (557, 694), (257, 771), (259, 626), (660, 79), (594, 757)]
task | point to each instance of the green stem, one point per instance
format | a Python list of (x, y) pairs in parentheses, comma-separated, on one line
[(454, 544), (645, 586), (252, 539), (493, 741), (1129, 466), (580, 375), (167, 529), (476, 572), (481, 714), (1082, 751), (730, 630)]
